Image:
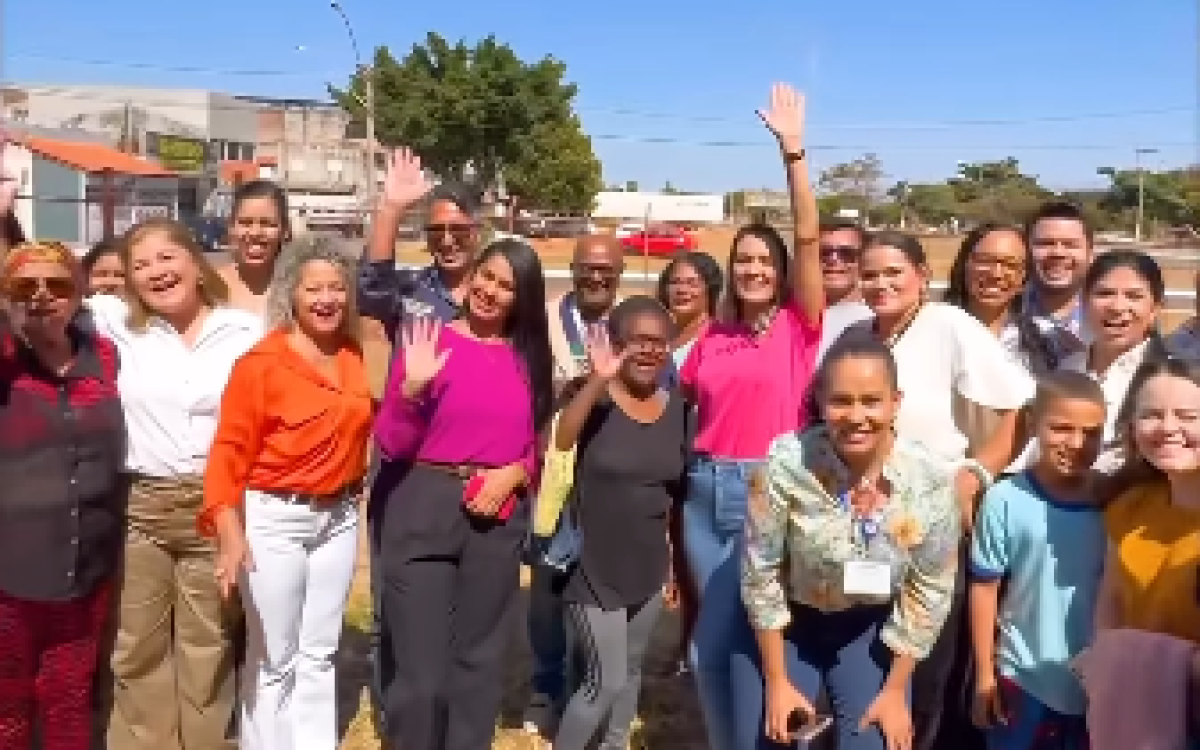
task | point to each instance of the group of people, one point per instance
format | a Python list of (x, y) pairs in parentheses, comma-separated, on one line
[(887, 520)]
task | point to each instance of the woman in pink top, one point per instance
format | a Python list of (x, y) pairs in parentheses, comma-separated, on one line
[(748, 376)]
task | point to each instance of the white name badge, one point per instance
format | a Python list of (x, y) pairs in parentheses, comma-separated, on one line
[(866, 578)]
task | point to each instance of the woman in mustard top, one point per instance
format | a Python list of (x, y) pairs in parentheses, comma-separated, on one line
[(1152, 575)]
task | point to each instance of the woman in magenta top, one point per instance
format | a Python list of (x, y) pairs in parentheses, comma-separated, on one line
[(461, 411), (748, 376)]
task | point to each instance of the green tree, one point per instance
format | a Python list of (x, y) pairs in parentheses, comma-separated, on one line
[(631, 186), (1171, 197), (458, 105), (996, 191), (556, 169)]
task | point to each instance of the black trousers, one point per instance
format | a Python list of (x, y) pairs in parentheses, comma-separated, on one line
[(944, 681), (449, 583)]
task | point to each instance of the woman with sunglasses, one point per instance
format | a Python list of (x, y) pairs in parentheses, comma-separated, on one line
[(173, 659), (62, 449)]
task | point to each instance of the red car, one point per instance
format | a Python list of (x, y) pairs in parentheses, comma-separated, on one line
[(663, 240)]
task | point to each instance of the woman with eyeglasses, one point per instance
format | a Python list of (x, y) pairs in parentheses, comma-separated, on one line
[(62, 450), (987, 279), (173, 658)]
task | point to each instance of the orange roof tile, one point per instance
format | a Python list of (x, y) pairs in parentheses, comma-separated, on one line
[(95, 157), (235, 172)]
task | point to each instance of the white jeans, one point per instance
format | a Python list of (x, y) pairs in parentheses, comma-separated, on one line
[(295, 597)]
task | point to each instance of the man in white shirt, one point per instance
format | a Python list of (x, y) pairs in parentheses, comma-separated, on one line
[(842, 243), (1061, 243)]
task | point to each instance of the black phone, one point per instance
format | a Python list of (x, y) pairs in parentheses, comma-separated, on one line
[(804, 726)]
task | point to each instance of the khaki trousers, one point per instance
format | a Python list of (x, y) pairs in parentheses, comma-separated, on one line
[(173, 656)]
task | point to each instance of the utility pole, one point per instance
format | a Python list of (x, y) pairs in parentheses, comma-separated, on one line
[(367, 74), (1140, 224)]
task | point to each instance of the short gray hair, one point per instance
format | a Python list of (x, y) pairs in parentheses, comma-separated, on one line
[(281, 309)]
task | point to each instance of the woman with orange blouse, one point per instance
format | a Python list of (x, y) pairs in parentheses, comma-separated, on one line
[(279, 493)]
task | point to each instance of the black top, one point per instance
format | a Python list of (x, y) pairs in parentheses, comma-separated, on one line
[(62, 452), (627, 476)]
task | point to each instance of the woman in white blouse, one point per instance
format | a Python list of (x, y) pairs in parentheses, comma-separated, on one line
[(942, 354), (173, 659), (1123, 294)]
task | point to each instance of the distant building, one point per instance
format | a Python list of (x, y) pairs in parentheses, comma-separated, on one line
[(664, 207), (63, 185)]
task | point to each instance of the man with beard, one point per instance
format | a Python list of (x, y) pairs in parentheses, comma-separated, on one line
[(596, 268), (1060, 242), (393, 295)]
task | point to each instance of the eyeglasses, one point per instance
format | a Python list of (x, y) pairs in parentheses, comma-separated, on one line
[(685, 282), (455, 230), (25, 288), (594, 269), (845, 252), (646, 344), (998, 265)]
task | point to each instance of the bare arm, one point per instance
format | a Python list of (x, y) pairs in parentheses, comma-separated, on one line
[(573, 416), (984, 602), (1107, 615), (404, 187)]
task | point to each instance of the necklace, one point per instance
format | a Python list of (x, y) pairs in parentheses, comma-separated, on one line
[(905, 323)]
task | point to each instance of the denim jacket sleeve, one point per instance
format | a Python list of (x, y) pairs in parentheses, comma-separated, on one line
[(381, 291)]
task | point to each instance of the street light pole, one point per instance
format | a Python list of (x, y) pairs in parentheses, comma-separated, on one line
[(366, 75), (1141, 204)]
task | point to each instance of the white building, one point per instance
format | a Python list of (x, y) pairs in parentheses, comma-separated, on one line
[(655, 207)]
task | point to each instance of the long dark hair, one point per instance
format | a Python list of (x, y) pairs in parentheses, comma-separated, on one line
[(264, 189), (705, 267), (1147, 269), (11, 233), (527, 326), (1029, 338), (1136, 470), (780, 258)]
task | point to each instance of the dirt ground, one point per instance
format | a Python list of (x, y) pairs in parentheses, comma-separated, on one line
[(669, 718)]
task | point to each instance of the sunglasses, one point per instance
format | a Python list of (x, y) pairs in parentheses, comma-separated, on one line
[(455, 230), (26, 288), (846, 252)]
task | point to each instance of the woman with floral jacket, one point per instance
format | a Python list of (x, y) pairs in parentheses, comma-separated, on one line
[(849, 565)]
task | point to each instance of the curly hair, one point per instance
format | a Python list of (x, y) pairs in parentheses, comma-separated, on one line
[(281, 308)]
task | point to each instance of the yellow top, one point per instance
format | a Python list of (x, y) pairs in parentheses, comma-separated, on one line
[(1157, 546)]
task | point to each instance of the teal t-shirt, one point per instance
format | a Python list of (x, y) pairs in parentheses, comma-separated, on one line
[(1052, 554)]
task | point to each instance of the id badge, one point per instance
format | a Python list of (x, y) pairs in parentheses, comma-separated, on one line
[(866, 578)]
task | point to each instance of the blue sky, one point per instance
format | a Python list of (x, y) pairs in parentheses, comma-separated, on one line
[(1064, 85)]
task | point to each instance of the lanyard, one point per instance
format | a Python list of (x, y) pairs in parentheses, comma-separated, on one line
[(868, 526)]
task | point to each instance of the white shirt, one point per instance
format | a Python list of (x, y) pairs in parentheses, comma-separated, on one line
[(1114, 382), (837, 318), (945, 351), (171, 395)]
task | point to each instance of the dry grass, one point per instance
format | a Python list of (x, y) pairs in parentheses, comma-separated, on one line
[(669, 719)]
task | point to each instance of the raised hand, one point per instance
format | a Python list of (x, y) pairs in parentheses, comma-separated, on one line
[(422, 360), (603, 361), (405, 183), (784, 115)]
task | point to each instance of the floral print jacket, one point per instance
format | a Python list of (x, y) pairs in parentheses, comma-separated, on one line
[(799, 535)]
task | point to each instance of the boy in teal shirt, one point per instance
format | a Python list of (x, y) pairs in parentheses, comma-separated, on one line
[(1040, 535)]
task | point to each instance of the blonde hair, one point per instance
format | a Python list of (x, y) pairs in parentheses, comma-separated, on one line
[(289, 269), (43, 252), (213, 289)]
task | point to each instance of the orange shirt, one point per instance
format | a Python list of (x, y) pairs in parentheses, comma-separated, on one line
[(1157, 546), (284, 427)]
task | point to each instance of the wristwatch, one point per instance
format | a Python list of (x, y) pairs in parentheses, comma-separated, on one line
[(791, 156)]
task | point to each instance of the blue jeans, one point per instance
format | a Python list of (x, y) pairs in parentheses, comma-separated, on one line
[(547, 635), (838, 651), (713, 517)]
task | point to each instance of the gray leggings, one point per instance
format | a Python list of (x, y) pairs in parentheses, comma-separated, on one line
[(613, 645)]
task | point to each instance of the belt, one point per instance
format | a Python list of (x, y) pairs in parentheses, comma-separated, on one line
[(458, 471), (306, 498)]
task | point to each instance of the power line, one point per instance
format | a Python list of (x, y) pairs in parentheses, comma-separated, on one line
[(158, 67), (81, 94)]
